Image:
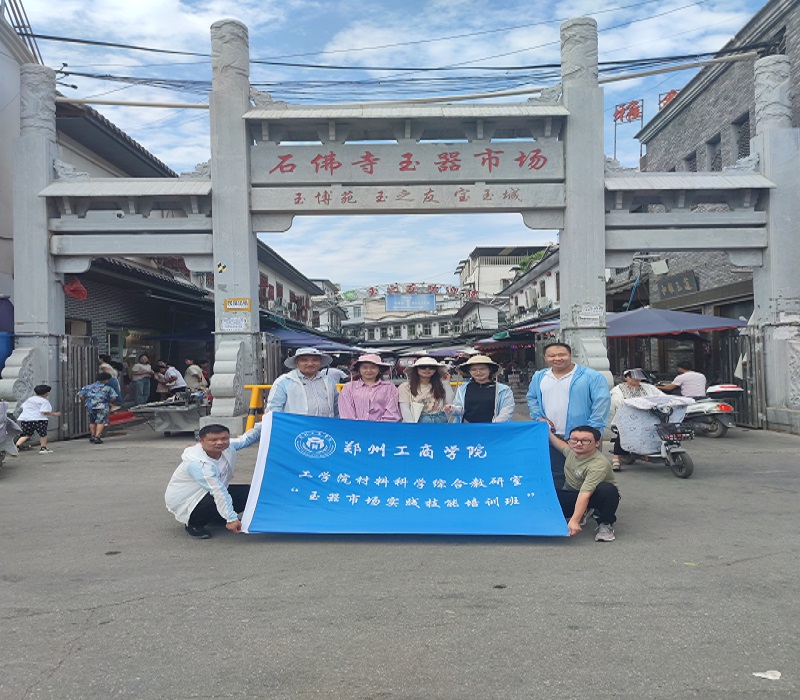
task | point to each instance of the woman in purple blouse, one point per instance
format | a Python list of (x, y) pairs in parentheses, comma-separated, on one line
[(370, 397)]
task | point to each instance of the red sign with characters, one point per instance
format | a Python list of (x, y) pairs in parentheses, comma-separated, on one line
[(629, 112)]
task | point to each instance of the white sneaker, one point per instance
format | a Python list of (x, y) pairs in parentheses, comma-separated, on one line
[(45, 451), (605, 533)]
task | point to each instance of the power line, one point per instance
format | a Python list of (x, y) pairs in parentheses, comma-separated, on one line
[(458, 36)]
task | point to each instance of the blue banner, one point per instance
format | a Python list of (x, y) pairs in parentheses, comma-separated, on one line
[(411, 302), (327, 475)]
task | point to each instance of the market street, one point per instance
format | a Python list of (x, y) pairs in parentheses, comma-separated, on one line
[(103, 594)]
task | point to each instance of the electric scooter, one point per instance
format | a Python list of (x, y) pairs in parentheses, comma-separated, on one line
[(655, 442), (712, 416)]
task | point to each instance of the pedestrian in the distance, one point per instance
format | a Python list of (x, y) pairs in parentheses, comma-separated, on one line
[(193, 376), (141, 376), (98, 398), (33, 418)]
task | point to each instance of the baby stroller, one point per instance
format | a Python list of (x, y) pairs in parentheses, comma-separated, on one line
[(651, 441)]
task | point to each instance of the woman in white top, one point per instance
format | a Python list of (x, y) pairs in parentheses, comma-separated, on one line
[(426, 392), (141, 373), (631, 387)]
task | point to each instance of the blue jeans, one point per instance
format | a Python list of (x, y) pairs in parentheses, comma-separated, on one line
[(141, 390), (440, 417)]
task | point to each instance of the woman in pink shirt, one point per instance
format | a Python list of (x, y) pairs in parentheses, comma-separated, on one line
[(370, 397)]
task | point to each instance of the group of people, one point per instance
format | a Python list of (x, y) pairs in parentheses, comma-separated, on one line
[(167, 378), (573, 400), (426, 396)]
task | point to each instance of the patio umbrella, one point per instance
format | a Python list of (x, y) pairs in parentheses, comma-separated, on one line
[(648, 322), (641, 323)]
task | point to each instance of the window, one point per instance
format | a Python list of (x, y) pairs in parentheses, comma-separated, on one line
[(558, 286), (714, 154), (397, 331), (356, 312), (370, 333), (426, 329), (541, 289), (456, 327), (741, 136), (444, 327), (384, 332)]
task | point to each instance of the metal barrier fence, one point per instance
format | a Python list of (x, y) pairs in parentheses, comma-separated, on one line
[(743, 360), (78, 368)]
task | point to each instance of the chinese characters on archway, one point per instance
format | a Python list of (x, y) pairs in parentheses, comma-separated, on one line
[(405, 196), (405, 176), (489, 159)]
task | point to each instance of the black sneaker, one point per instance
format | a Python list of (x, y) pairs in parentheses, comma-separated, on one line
[(92, 438), (198, 532), (97, 441)]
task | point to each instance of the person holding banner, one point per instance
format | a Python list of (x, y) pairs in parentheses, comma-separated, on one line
[(200, 490), (589, 482), (305, 390), (482, 399), (370, 396), (426, 392)]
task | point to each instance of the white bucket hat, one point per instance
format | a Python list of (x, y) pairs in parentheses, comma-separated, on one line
[(427, 362), (325, 360), (478, 360)]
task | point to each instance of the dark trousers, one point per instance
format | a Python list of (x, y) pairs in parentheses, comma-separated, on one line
[(557, 460), (616, 448), (604, 500), (206, 511)]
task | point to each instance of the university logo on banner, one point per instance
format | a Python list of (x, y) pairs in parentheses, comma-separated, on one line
[(326, 475)]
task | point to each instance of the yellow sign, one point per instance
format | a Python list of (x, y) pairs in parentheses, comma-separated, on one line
[(237, 304)]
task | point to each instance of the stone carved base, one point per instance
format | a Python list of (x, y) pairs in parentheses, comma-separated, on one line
[(793, 353), (17, 379), (227, 382), (592, 353)]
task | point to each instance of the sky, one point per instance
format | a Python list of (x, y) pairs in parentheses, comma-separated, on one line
[(373, 39)]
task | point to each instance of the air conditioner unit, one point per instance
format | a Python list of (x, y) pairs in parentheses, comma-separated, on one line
[(530, 298), (545, 302), (271, 305)]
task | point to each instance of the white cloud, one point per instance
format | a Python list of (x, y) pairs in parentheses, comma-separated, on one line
[(361, 251)]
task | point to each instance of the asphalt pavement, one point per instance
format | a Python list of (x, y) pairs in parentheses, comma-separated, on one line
[(102, 594)]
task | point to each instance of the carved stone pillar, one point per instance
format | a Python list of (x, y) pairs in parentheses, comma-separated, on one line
[(38, 294), (582, 241), (235, 246), (776, 284)]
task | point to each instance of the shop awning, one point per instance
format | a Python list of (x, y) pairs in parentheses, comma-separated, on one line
[(300, 339)]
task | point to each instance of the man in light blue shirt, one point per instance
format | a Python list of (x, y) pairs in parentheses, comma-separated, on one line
[(567, 395)]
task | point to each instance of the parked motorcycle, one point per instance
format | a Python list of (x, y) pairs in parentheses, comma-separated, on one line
[(655, 442), (712, 416)]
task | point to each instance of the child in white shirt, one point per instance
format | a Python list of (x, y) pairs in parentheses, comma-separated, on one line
[(33, 418)]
